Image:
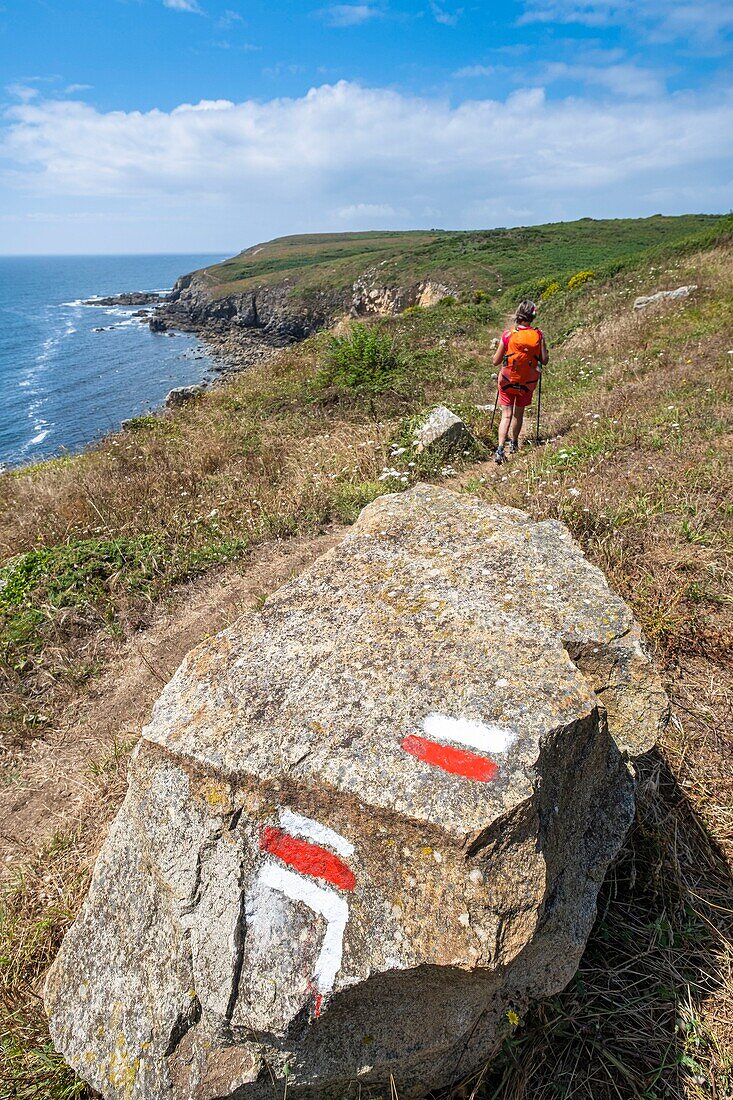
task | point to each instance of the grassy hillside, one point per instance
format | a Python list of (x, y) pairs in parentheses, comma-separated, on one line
[(637, 459), (491, 259)]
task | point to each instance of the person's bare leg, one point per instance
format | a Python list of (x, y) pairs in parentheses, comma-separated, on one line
[(506, 419), (516, 425)]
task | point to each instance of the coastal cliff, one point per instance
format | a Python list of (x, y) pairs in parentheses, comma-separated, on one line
[(282, 291)]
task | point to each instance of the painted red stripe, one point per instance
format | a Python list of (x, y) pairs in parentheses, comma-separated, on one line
[(455, 761), (308, 858)]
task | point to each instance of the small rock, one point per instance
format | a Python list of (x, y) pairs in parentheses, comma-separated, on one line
[(664, 295), (181, 394), (442, 429)]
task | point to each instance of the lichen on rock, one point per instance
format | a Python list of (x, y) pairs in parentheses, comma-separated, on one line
[(366, 821)]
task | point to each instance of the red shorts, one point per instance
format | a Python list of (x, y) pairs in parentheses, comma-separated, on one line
[(519, 398)]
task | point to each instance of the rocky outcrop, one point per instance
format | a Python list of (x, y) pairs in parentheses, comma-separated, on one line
[(275, 313), (369, 297), (182, 394), (444, 430), (281, 313), (131, 298), (664, 296), (365, 822)]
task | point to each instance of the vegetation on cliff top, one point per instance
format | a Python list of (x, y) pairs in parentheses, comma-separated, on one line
[(637, 459), (491, 259)]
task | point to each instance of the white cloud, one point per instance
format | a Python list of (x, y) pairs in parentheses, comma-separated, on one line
[(700, 23), (622, 79), (590, 13), (348, 15), (471, 71), (254, 169), (442, 15), (369, 212), (183, 5), (23, 92), (229, 18), (594, 68), (72, 89)]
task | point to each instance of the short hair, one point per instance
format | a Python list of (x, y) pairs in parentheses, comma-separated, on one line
[(526, 312)]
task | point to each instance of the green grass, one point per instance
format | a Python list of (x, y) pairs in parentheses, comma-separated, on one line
[(77, 574), (483, 261)]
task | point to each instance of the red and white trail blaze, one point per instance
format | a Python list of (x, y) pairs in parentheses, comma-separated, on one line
[(307, 865), (449, 744)]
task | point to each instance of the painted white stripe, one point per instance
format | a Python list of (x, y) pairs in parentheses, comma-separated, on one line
[(309, 829), (326, 902), (483, 736)]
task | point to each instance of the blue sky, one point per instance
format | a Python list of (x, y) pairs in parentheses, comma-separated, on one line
[(176, 125)]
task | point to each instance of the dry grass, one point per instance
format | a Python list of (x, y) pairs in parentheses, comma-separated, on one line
[(649, 1014), (642, 476)]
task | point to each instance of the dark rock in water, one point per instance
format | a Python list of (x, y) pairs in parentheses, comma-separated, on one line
[(145, 313), (132, 298), (157, 324), (366, 822)]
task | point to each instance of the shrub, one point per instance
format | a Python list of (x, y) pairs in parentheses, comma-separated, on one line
[(365, 361), (480, 296), (550, 290), (580, 278)]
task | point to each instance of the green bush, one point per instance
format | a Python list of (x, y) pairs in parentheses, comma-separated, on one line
[(550, 290), (580, 278), (365, 361)]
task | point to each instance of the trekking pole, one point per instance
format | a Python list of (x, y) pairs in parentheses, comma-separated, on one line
[(539, 402), (496, 402)]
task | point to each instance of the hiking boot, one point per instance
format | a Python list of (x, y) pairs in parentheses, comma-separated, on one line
[(499, 456), (513, 447)]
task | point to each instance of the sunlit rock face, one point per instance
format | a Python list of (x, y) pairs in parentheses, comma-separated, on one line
[(367, 821)]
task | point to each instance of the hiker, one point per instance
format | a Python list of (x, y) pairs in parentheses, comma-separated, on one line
[(522, 352)]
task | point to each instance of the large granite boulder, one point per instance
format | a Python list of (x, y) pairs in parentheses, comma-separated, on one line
[(366, 822)]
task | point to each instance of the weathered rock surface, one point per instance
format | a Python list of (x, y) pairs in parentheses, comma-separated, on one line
[(181, 394), (130, 298), (664, 295), (281, 314), (369, 297), (273, 312), (442, 429), (365, 821)]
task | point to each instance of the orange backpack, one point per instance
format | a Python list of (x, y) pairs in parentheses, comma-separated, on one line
[(521, 360)]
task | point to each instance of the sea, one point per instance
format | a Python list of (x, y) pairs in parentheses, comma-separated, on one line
[(70, 373)]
